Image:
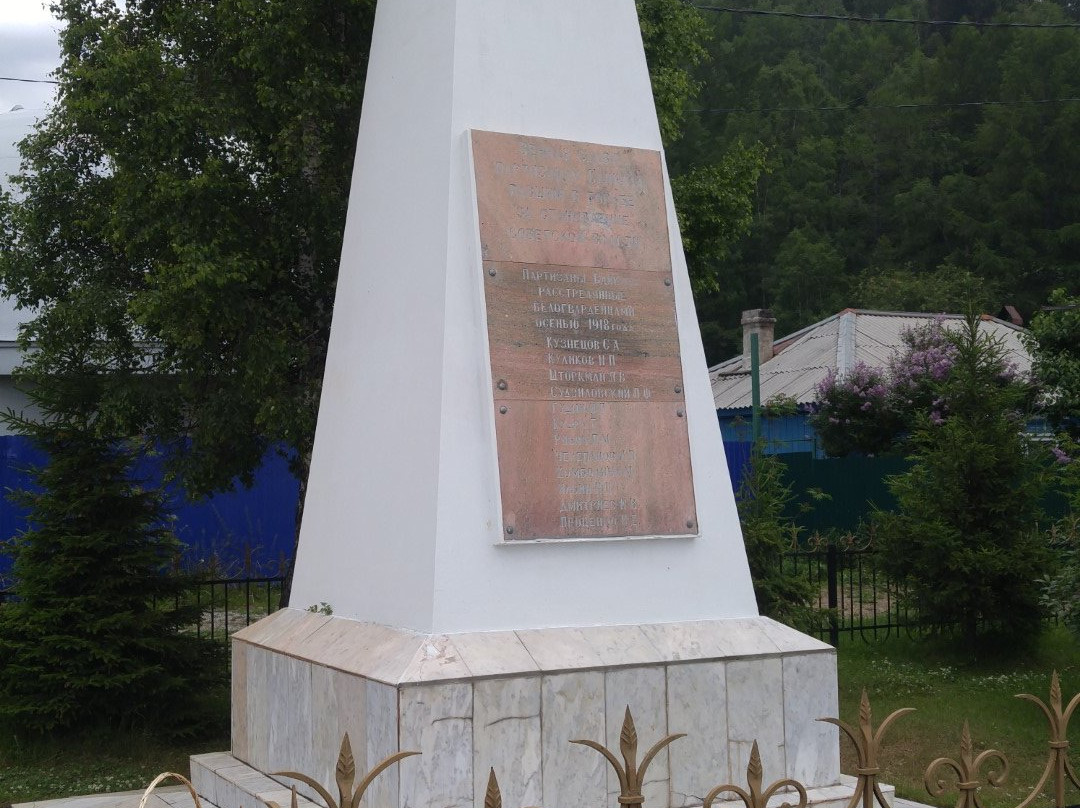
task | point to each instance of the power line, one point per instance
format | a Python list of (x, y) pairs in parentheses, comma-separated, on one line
[(856, 106), (29, 81), (900, 20)]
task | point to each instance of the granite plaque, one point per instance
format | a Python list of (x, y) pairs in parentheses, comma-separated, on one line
[(586, 371)]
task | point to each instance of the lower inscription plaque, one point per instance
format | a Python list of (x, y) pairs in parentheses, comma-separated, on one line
[(586, 371)]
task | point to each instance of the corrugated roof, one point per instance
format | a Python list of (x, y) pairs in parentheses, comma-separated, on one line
[(803, 359)]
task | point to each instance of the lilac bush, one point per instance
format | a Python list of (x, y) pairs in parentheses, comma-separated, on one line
[(870, 410), (917, 375), (854, 412)]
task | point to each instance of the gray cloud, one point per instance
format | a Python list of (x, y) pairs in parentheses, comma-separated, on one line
[(27, 51)]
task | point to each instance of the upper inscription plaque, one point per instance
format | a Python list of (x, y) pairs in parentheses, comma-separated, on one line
[(586, 372)]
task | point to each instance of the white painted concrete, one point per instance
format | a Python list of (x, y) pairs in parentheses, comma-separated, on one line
[(402, 523)]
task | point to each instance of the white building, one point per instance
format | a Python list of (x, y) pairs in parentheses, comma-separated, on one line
[(15, 124)]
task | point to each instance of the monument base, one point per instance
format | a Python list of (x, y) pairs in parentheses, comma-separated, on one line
[(512, 701), (225, 781)]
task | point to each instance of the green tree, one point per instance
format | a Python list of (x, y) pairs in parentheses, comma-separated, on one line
[(674, 36), (1055, 344), (965, 537), (713, 192), (188, 190), (893, 151), (94, 636), (714, 207), (909, 288)]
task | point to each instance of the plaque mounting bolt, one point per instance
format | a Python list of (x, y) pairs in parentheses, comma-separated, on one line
[(491, 272), (678, 388), (690, 523), (509, 530), (679, 412), (667, 281), (504, 410), (502, 385)]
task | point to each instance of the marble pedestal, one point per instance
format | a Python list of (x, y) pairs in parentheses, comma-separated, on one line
[(513, 700)]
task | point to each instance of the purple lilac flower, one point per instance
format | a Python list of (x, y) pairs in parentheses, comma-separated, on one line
[(826, 385)]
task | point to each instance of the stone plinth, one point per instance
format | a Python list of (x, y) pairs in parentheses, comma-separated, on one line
[(512, 701)]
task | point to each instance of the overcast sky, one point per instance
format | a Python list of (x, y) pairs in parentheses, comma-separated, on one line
[(28, 50)]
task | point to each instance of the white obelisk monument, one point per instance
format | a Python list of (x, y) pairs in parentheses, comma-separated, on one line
[(519, 510)]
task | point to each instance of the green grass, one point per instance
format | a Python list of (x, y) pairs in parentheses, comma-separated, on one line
[(58, 769), (946, 688)]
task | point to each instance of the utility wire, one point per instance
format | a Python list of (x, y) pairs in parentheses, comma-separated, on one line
[(29, 81), (857, 106), (900, 20)]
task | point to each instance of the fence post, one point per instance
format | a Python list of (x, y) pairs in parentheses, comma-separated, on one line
[(832, 566)]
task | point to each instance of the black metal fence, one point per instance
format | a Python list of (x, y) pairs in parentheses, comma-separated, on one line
[(855, 596), (224, 605)]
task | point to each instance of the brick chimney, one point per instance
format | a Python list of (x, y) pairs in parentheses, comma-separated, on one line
[(762, 323)]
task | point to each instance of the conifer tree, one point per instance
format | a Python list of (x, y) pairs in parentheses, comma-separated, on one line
[(95, 634), (965, 537)]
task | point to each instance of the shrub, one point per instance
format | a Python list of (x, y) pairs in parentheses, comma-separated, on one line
[(768, 533), (1061, 590)]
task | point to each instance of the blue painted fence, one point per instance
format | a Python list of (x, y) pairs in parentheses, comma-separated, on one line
[(246, 531), (737, 454)]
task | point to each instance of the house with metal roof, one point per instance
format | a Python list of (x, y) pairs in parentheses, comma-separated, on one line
[(792, 367)]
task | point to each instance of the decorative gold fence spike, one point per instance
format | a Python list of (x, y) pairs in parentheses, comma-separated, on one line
[(493, 797), (630, 776), (293, 802), (628, 744), (967, 772), (867, 744), (167, 776), (755, 772), (345, 770), (345, 774), (1057, 763), (755, 797)]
